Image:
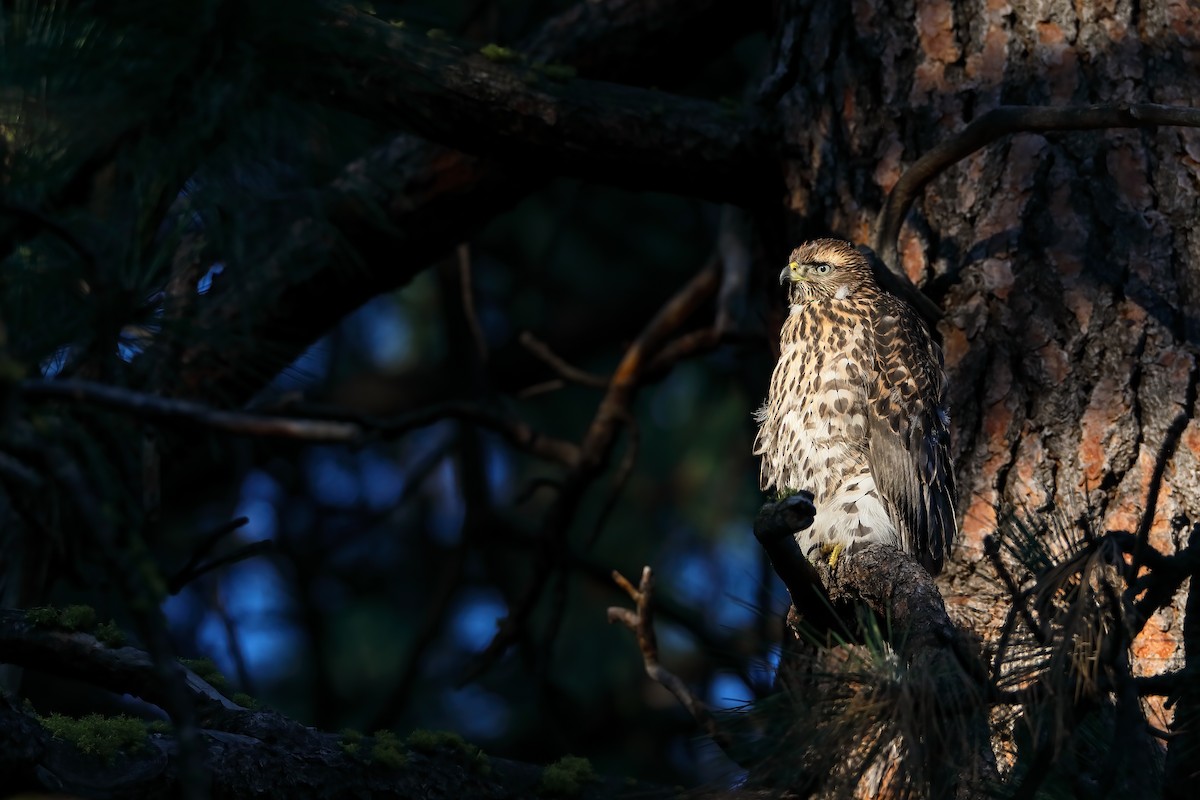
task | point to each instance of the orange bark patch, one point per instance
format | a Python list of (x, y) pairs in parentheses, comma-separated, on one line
[(1184, 20), (887, 170), (979, 520), (935, 36), (1131, 312), (1059, 61), (1133, 498), (912, 255), (1191, 439), (1030, 456), (1108, 404), (955, 347), (1156, 644), (1080, 306), (987, 66), (935, 31)]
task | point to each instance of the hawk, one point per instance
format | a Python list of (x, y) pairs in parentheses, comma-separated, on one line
[(857, 412)]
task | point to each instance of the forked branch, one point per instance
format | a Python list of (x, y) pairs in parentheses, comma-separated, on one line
[(640, 621)]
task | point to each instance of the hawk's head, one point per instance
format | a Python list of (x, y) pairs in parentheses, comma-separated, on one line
[(825, 269)]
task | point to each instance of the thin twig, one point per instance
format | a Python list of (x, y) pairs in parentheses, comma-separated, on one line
[(468, 301), (543, 387), (594, 453), (560, 366), (243, 553), (624, 470), (210, 540), (518, 433)]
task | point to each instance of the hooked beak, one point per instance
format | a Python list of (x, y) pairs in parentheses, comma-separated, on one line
[(791, 271)]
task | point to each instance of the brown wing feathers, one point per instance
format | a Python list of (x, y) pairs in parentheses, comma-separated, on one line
[(910, 432)]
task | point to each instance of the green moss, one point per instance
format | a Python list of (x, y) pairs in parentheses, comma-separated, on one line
[(76, 618), (109, 634), (244, 700), (351, 739), (502, 55), (208, 672), (437, 34), (71, 618), (388, 751), (42, 616), (425, 741), (558, 72), (567, 776), (163, 726), (98, 735)]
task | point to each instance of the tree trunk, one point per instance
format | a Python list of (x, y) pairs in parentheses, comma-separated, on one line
[(1063, 262)]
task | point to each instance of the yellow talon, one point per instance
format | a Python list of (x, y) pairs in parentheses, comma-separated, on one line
[(834, 552)]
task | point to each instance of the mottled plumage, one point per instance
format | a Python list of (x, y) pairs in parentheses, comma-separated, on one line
[(857, 413)]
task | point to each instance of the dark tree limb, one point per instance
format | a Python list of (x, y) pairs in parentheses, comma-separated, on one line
[(1003, 121), (81, 656), (353, 431), (393, 211), (598, 131), (244, 753), (164, 409)]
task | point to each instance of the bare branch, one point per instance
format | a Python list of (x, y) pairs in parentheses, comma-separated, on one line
[(410, 202), (165, 409), (556, 362), (594, 453), (1003, 121), (507, 107), (641, 623), (243, 553)]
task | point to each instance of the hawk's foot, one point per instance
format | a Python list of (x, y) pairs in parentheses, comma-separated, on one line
[(833, 551)]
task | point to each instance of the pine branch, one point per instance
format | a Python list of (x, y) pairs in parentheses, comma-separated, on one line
[(506, 107), (410, 202)]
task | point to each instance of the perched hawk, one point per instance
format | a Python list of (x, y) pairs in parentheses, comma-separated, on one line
[(857, 412)]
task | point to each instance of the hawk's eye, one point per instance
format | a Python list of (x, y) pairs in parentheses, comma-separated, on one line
[(822, 269)]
